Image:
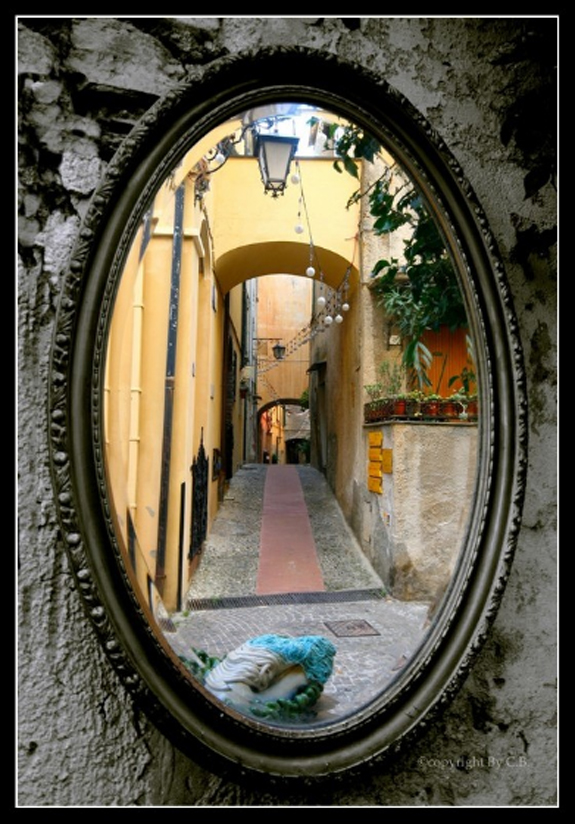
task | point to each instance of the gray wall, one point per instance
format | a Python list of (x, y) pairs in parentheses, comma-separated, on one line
[(488, 88)]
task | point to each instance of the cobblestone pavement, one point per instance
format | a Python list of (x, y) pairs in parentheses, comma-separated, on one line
[(374, 634), (229, 562)]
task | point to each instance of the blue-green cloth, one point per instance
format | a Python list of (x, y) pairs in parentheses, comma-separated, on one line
[(313, 652)]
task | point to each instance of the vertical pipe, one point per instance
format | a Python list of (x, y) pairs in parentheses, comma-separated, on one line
[(135, 391), (169, 387)]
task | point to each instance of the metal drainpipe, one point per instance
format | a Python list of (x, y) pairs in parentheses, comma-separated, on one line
[(169, 388), (135, 394), (136, 391)]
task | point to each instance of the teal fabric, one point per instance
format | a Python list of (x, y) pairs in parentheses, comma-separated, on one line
[(313, 652)]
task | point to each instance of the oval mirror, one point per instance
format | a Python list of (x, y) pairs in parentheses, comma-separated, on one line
[(290, 548)]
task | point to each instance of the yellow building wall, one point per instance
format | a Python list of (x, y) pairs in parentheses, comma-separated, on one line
[(218, 240), (254, 234), (138, 393), (237, 411), (122, 414), (283, 311), (182, 442)]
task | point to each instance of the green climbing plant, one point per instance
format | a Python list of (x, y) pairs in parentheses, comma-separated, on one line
[(420, 291)]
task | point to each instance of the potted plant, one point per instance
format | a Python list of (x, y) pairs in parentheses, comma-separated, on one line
[(384, 393), (399, 405), (374, 391), (472, 407), (452, 407), (392, 380), (373, 409), (430, 406), (467, 395), (414, 401), (467, 378)]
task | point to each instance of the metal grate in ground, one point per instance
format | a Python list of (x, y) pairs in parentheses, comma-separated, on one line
[(231, 602), (357, 628)]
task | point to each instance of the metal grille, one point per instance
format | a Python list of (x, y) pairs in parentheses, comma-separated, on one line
[(351, 629), (232, 602), (199, 501)]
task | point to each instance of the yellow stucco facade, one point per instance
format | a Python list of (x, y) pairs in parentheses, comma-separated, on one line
[(180, 343)]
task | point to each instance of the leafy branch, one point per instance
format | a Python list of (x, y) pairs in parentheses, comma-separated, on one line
[(421, 292)]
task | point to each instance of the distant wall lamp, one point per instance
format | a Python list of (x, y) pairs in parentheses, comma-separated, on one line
[(278, 350), (275, 154)]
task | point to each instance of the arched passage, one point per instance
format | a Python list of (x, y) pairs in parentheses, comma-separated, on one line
[(254, 234), (283, 431), (251, 260)]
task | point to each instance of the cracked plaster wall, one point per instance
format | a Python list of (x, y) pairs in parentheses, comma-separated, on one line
[(488, 87)]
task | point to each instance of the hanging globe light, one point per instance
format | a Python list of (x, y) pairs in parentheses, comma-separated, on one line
[(310, 272), (298, 228), (321, 301), (345, 307), (338, 318), (328, 320), (295, 178)]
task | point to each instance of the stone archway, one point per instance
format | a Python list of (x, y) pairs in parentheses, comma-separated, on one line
[(284, 431)]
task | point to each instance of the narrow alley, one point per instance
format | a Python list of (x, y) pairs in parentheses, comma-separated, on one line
[(268, 511)]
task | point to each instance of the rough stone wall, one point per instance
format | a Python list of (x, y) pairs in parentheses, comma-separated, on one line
[(427, 529), (488, 87)]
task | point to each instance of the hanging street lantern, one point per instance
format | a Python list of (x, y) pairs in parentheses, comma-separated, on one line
[(279, 351), (275, 154)]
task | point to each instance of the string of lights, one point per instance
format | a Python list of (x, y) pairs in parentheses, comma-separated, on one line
[(271, 389), (327, 313), (331, 304)]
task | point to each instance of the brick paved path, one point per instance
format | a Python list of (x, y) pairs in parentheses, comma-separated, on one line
[(288, 557)]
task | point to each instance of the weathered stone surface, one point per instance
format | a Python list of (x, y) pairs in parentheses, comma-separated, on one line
[(108, 51), (81, 171), (36, 55), (57, 239)]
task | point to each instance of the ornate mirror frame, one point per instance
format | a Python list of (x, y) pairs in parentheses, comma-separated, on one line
[(225, 741)]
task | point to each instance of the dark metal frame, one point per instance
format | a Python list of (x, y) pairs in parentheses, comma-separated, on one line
[(227, 742)]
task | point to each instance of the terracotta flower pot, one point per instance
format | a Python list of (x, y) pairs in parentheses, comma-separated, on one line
[(430, 409), (449, 410), (400, 408), (413, 409)]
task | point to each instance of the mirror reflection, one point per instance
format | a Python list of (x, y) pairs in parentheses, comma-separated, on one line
[(291, 415)]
